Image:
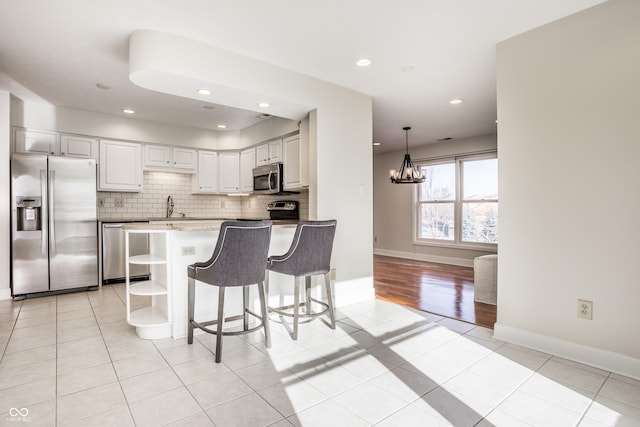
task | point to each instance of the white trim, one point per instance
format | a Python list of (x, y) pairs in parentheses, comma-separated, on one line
[(596, 357), (422, 257), (5, 294)]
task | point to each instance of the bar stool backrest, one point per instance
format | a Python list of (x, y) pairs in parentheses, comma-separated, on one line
[(310, 251), (240, 255)]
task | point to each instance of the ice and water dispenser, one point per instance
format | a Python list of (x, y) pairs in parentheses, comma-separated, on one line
[(29, 213)]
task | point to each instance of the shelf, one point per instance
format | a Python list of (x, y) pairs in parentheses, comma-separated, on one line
[(148, 316), (147, 259), (147, 287)]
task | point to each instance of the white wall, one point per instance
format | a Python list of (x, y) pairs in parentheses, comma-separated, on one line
[(568, 109), (5, 188), (393, 204)]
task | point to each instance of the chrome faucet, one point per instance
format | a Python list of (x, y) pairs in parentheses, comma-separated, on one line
[(169, 206)]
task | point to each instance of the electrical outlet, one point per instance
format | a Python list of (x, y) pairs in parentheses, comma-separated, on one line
[(188, 250), (585, 309), (118, 203), (222, 205), (332, 274)]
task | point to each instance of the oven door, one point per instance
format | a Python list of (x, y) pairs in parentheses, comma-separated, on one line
[(267, 179)]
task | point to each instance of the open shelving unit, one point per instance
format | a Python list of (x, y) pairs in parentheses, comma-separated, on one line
[(154, 321)]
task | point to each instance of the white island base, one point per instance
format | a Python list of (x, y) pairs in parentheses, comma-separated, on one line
[(194, 242)]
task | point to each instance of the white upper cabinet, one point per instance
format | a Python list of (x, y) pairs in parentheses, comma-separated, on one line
[(247, 163), (164, 157), (229, 163), (157, 156), (78, 146), (36, 142), (120, 166), (206, 179), (184, 159), (296, 163), (270, 152)]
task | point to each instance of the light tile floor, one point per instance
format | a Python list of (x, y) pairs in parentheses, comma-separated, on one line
[(71, 360)]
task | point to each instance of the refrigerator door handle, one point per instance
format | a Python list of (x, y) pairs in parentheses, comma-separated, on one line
[(52, 200), (45, 226)]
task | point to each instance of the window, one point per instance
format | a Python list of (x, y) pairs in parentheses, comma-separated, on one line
[(458, 202)]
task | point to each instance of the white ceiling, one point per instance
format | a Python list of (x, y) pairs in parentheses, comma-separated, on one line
[(424, 53)]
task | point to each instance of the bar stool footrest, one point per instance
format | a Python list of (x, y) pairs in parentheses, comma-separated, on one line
[(283, 310)]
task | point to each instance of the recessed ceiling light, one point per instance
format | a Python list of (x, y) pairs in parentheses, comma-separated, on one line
[(102, 86), (204, 91), (263, 104), (455, 101), (363, 62), (128, 111), (375, 144), (222, 126)]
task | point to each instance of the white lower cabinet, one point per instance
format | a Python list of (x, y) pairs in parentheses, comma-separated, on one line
[(152, 320)]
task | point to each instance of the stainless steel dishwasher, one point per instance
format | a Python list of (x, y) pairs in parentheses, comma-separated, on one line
[(113, 262)]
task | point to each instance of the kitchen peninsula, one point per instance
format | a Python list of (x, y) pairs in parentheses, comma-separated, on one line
[(186, 242)]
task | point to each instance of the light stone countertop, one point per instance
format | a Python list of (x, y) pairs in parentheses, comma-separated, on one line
[(194, 226)]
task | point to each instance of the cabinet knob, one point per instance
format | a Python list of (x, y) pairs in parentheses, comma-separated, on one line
[(61, 153)]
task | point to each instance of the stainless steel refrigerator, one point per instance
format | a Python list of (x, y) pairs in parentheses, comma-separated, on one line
[(54, 243)]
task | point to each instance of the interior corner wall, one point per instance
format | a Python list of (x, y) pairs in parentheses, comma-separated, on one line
[(393, 204), (568, 107), (5, 191)]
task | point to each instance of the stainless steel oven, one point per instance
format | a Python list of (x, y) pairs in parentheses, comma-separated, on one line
[(267, 179)]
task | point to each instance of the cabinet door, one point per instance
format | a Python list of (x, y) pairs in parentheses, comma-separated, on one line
[(157, 156), (247, 163), (36, 142), (296, 163), (206, 178), (120, 166), (229, 172), (275, 151), (262, 155), (78, 146), (184, 159)]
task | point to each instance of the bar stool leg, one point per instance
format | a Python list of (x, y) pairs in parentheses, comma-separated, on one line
[(191, 298), (307, 293), (327, 284), (265, 315), (296, 305), (245, 307), (220, 324)]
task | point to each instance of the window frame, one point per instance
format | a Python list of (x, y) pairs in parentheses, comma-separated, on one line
[(458, 203)]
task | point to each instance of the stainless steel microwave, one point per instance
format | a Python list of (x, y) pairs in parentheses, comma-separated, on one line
[(267, 179)]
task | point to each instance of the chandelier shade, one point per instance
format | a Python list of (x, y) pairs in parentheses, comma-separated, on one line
[(408, 173)]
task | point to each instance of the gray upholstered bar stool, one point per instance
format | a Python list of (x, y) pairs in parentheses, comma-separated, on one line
[(239, 259), (309, 255)]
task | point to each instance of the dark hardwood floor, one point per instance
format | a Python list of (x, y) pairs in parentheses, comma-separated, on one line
[(446, 290)]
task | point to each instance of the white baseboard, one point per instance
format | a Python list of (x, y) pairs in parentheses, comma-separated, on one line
[(422, 257), (603, 359), (5, 293)]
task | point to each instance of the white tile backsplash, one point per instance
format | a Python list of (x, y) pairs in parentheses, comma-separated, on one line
[(152, 202)]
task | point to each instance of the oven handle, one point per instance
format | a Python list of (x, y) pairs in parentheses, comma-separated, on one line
[(269, 180)]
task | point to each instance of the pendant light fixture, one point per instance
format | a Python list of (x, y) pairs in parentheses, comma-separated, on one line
[(408, 174)]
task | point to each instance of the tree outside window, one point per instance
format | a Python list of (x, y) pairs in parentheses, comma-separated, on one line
[(458, 202)]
